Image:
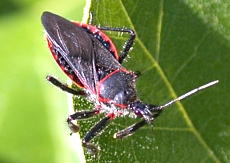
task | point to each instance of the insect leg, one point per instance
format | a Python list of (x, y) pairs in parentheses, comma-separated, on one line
[(77, 116), (64, 87), (128, 44), (94, 131), (130, 130), (133, 128)]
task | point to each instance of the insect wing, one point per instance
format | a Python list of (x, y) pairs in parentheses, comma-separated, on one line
[(79, 48), (74, 44)]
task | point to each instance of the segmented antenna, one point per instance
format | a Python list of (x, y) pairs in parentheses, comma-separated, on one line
[(189, 93)]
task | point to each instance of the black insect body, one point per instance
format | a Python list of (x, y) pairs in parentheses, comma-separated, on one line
[(89, 58)]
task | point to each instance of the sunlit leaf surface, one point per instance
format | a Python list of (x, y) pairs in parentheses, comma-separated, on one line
[(180, 45)]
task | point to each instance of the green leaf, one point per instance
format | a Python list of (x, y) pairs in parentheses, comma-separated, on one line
[(180, 45)]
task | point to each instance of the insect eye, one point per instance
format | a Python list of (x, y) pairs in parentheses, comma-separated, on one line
[(137, 112)]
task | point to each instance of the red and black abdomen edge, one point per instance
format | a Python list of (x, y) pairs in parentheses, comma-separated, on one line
[(101, 37), (64, 65)]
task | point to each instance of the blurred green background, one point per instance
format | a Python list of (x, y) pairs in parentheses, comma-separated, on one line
[(32, 112)]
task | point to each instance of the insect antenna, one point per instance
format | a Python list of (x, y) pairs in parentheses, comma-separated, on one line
[(188, 94)]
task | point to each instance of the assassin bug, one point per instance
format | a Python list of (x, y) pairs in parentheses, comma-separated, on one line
[(89, 58)]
